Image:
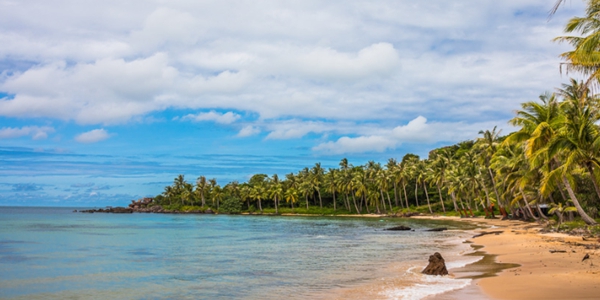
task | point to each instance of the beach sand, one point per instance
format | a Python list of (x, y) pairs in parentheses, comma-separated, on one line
[(538, 273)]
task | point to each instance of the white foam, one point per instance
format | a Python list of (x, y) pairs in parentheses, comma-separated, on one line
[(427, 286)]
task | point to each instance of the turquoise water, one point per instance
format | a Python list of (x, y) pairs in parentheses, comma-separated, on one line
[(55, 253)]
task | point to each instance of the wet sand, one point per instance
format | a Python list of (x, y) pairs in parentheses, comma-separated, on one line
[(519, 264)]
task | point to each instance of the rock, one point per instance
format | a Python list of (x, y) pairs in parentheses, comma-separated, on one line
[(209, 211), (438, 229), (399, 228), (121, 210), (436, 265)]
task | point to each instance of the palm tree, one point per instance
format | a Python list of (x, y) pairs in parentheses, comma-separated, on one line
[(438, 169), (258, 192), (275, 190), (331, 182), (201, 187), (316, 180), (585, 57), (487, 147), (245, 193), (291, 196), (392, 167)]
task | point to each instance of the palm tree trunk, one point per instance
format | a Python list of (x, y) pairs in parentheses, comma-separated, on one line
[(259, 205), (334, 207), (593, 178), (405, 196), (487, 194), (395, 194), (416, 190), (427, 195), (441, 199), (276, 208), (527, 204), (580, 210), (306, 197), (540, 212), (500, 204), (320, 200), (355, 206), (389, 201), (346, 202), (383, 201), (204, 202), (454, 201)]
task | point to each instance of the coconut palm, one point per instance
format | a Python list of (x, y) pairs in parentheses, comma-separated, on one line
[(258, 192), (291, 196), (201, 188), (585, 57), (486, 147), (275, 190), (316, 179), (331, 183)]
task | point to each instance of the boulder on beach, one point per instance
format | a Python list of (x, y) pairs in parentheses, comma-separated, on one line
[(399, 228), (436, 265)]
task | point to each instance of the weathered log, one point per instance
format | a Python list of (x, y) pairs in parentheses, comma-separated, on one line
[(558, 251), (489, 232)]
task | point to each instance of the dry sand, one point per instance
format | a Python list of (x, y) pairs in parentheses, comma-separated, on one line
[(539, 274)]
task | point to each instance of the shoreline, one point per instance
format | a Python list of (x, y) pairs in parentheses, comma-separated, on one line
[(520, 264)]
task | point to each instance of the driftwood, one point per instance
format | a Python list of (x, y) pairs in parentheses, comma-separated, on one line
[(489, 232), (558, 251)]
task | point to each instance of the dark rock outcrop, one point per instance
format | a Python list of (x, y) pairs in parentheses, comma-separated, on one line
[(399, 228), (437, 229), (436, 265)]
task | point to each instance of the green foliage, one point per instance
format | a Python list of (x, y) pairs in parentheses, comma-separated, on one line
[(231, 205)]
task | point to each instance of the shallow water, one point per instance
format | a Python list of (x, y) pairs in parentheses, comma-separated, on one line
[(55, 253)]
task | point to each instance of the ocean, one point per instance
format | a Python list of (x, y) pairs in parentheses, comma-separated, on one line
[(54, 253)]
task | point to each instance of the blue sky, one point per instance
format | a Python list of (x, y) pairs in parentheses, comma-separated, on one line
[(102, 102)]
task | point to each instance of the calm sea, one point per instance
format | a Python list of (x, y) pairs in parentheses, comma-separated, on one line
[(53, 253)]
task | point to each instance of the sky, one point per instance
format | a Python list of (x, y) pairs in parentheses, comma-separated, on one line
[(102, 102)]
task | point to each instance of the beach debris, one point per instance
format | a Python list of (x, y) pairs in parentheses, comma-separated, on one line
[(436, 265), (587, 255), (437, 229), (399, 228), (489, 232), (557, 251)]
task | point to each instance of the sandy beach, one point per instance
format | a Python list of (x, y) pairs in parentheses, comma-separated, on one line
[(523, 263)]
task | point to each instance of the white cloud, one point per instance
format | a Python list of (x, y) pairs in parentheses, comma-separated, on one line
[(93, 136), (36, 133), (225, 118), (349, 64), (248, 131), (417, 130)]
